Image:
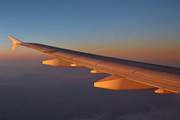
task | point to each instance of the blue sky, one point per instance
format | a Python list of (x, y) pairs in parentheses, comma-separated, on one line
[(107, 27)]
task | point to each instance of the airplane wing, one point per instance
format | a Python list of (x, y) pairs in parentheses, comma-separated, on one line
[(125, 74)]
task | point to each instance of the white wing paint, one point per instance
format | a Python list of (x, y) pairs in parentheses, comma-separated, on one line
[(125, 74)]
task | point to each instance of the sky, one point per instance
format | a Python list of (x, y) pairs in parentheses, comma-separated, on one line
[(141, 30)]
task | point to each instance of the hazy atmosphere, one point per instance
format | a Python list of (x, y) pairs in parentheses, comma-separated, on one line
[(141, 30)]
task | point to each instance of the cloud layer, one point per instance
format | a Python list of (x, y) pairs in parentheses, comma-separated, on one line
[(68, 94)]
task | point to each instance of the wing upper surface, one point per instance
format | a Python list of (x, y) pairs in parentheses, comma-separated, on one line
[(138, 75)]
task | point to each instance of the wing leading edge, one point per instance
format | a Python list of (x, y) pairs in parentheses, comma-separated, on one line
[(125, 74)]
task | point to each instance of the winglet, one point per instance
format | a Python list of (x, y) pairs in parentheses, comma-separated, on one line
[(16, 43)]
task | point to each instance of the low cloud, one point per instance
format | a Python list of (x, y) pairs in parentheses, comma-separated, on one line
[(53, 93)]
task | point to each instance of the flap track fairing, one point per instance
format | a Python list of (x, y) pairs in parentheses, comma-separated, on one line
[(120, 83)]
